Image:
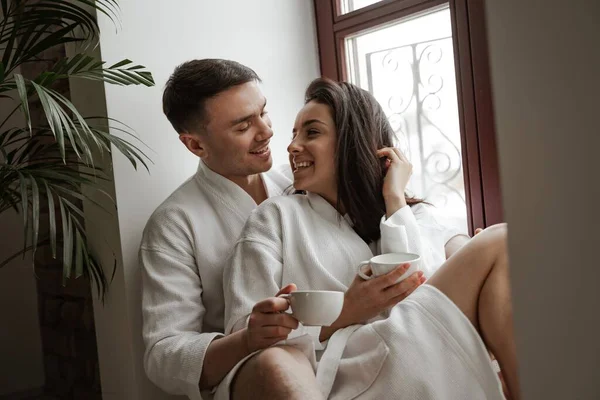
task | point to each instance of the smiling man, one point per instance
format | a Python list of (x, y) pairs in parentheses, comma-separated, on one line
[(219, 112)]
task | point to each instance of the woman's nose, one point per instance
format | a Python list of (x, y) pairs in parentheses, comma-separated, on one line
[(294, 147)]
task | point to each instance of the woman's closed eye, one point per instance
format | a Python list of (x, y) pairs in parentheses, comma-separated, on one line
[(312, 132)]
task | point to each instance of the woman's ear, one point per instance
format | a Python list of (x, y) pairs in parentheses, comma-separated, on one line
[(194, 143)]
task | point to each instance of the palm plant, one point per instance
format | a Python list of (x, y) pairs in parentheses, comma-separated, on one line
[(47, 169)]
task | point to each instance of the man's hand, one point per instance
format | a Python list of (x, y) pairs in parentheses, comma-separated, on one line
[(268, 324)]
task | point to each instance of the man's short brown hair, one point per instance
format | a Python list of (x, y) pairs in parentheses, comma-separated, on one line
[(194, 82)]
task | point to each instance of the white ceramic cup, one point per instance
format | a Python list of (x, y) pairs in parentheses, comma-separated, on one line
[(315, 307), (384, 263)]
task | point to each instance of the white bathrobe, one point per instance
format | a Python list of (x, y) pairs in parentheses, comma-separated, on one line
[(426, 349), (184, 247)]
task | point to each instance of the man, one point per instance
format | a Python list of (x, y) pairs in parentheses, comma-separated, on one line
[(219, 111), (220, 114)]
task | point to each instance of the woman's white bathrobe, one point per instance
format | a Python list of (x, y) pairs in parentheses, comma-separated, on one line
[(184, 248), (426, 349)]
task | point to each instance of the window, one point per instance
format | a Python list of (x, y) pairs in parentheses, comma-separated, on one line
[(426, 63), (347, 6), (408, 66)]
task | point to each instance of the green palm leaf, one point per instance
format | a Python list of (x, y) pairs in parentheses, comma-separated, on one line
[(60, 183), (51, 218), (28, 27), (70, 128), (84, 66), (20, 82), (49, 170)]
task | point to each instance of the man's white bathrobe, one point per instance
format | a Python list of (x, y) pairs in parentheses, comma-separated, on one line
[(184, 247), (425, 350)]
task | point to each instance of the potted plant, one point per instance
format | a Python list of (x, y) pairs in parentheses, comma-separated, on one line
[(49, 165)]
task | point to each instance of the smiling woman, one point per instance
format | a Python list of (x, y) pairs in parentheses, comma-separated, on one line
[(354, 207), (326, 163), (312, 151)]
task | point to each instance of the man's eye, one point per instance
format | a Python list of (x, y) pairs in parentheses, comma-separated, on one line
[(244, 127), (265, 112)]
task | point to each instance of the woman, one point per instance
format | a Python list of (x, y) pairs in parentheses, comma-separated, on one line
[(433, 344)]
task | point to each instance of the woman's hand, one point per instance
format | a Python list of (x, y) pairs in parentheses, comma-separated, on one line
[(268, 324), (398, 173), (366, 299)]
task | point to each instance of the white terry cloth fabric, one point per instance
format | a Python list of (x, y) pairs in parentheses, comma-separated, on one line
[(302, 239), (433, 352), (184, 247)]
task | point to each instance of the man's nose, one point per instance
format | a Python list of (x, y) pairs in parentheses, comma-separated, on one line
[(265, 132)]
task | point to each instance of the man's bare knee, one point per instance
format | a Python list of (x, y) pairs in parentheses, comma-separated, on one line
[(297, 355), (283, 362), (280, 371), (274, 358), (266, 364)]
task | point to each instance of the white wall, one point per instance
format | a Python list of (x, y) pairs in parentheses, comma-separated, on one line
[(274, 37), (545, 75)]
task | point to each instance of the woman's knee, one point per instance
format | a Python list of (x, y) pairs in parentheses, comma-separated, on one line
[(499, 229), (493, 238)]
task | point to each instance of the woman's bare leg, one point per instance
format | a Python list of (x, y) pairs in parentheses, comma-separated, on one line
[(476, 279)]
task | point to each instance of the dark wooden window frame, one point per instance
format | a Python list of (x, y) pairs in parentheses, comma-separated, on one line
[(480, 162)]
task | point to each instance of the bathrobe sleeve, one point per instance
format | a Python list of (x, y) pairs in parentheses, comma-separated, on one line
[(253, 275), (172, 307), (255, 267), (417, 230)]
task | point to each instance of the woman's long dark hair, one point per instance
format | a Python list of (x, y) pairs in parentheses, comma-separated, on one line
[(362, 128)]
